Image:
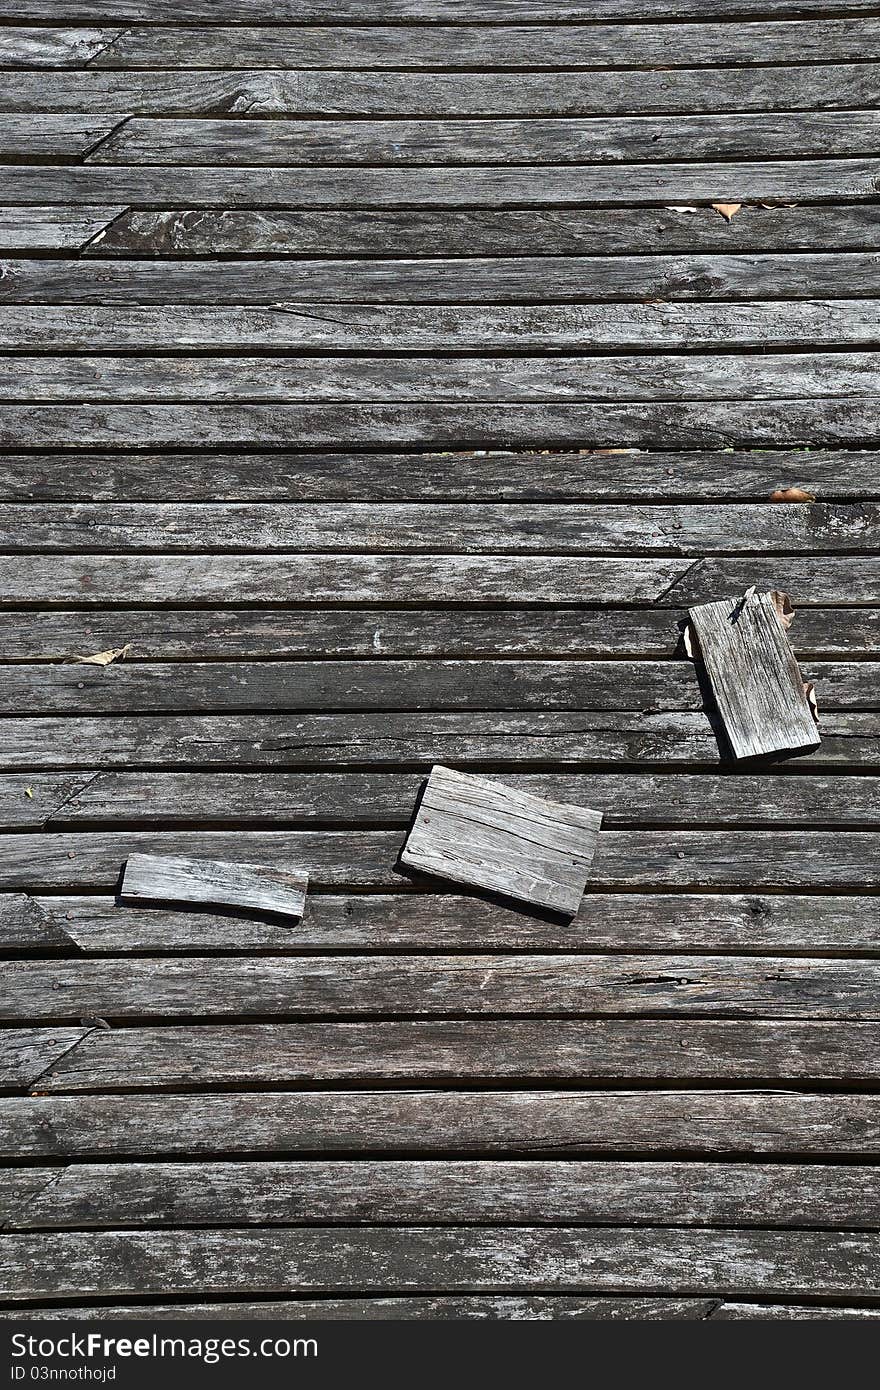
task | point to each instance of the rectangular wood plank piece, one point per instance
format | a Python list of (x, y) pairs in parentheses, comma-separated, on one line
[(177, 879), (755, 679), (510, 842)]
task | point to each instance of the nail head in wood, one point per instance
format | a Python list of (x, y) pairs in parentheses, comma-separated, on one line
[(478, 832)]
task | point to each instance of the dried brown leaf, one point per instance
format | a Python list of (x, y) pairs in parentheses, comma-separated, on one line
[(784, 610), (105, 658), (727, 210), (810, 692), (792, 494)]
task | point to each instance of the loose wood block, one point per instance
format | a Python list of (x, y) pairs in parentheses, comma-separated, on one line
[(213, 881), (754, 676), (478, 832)]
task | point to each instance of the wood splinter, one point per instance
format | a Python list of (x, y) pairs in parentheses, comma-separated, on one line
[(175, 879), (488, 835), (760, 693)]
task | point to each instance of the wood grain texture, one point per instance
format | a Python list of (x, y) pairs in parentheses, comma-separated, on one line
[(477, 739), (170, 878), (510, 1307), (539, 1122), (52, 228), (420, 11), (210, 1055), (430, 185), (565, 231), (463, 985), (758, 687), (781, 924), (493, 836), (336, 327), (272, 1261), (258, 91), (97, 1196), (280, 283)]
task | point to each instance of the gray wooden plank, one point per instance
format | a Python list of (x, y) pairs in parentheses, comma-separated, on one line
[(51, 228), (273, 1261), (429, 186), (104, 1196), (53, 139), (604, 737), (688, 424), (626, 476), (466, 986), (408, 579), (638, 922), (253, 886), (26, 1054), (761, 696), (387, 798), (477, 1122), (211, 1055), (674, 859), (202, 379), (420, 11), (275, 91), (565, 231), (451, 46), (788, 1312), (510, 1307), (494, 836), (73, 48), (351, 527), (533, 140), (403, 328), (539, 278), (18, 1187), (252, 634), (710, 576), (24, 926)]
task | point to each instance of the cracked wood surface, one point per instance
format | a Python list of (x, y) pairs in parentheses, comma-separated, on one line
[(406, 429)]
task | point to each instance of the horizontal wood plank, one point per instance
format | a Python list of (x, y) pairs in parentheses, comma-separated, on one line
[(633, 986), (637, 922), (258, 91), (104, 1196), (212, 1055), (52, 228), (536, 1122), (394, 740), (419, 11)]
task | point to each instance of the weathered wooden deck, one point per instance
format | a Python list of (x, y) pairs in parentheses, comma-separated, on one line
[(278, 293)]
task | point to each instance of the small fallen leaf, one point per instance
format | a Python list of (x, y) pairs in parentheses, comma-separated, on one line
[(792, 494), (105, 658), (29, 791), (783, 606), (728, 210), (810, 692)]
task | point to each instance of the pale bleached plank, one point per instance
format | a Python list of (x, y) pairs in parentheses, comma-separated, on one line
[(176, 879)]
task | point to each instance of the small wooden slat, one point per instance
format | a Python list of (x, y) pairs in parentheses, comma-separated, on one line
[(281, 283), (450, 46), (418, 11), (565, 231), (278, 91), (483, 833), (513, 1307), (433, 186), (695, 424), (172, 878), (674, 739), (52, 228), (255, 143), (255, 634), (336, 327), (375, 922), (757, 684), (537, 1122), (104, 1196), (209, 1055), (554, 528), (465, 985), (728, 377), (412, 1259), (787, 1312)]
